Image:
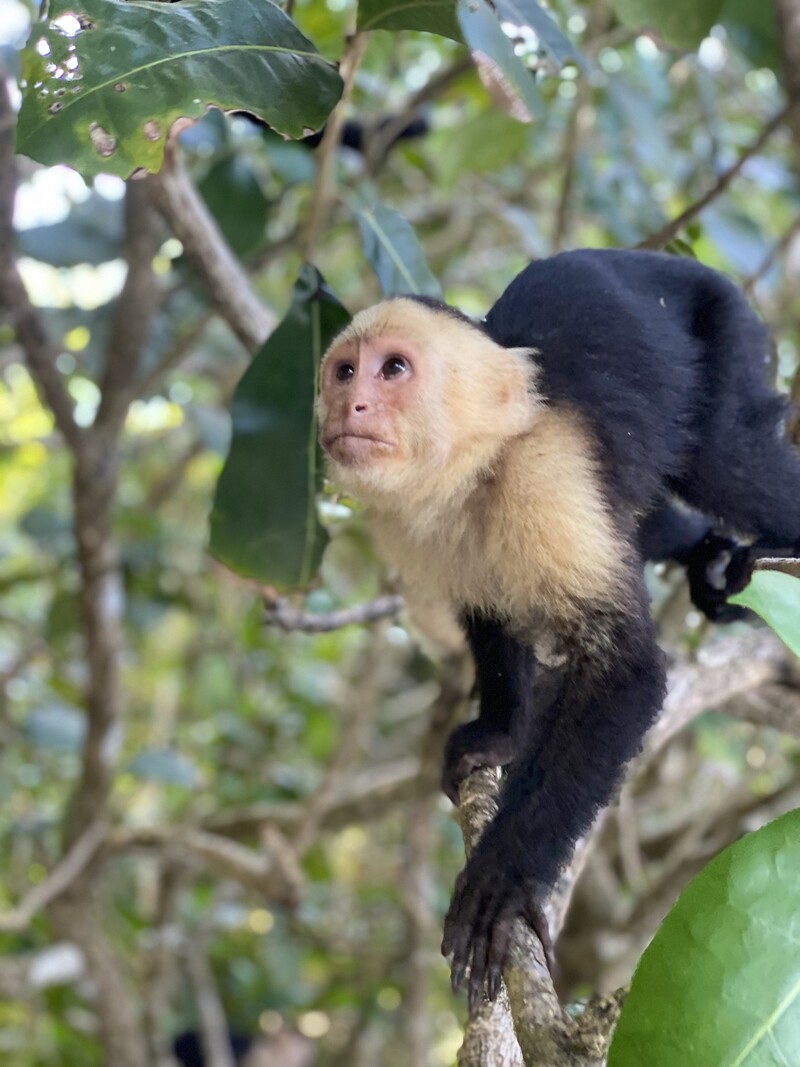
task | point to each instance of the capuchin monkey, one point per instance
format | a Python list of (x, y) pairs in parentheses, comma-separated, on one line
[(519, 470)]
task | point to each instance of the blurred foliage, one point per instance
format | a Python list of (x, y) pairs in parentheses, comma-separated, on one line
[(224, 713)]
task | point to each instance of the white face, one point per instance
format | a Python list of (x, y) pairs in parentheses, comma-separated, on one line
[(369, 387)]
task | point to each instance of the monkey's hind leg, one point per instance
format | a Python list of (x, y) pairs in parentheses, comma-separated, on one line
[(750, 479)]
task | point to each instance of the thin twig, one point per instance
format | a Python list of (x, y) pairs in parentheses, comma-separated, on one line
[(282, 615), (211, 1020), (668, 232), (68, 869), (383, 138), (323, 195), (771, 257)]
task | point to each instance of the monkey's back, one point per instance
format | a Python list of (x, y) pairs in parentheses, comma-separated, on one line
[(637, 342)]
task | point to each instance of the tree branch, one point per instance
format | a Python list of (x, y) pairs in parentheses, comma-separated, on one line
[(671, 230), (210, 255), (40, 354), (135, 308), (322, 198), (272, 874), (68, 869), (212, 1023), (281, 614)]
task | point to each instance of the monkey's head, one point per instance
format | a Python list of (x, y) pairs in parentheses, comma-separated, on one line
[(414, 397)]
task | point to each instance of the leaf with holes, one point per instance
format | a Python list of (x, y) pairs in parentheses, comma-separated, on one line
[(720, 982), (396, 255), (264, 524), (105, 81)]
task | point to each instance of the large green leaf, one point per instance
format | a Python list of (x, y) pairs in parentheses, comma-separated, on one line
[(264, 523), (776, 598), (499, 67), (433, 16), (680, 22), (236, 200), (396, 255), (720, 982), (109, 87)]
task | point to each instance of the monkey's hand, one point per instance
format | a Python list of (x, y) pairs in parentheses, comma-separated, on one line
[(470, 747), (717, 568), (488, 897)]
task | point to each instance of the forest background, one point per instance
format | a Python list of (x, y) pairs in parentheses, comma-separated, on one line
[(219, 804)]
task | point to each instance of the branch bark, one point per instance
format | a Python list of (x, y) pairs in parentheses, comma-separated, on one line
[(207, 250), (39, 352)]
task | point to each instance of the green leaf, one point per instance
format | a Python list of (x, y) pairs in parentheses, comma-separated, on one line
[(431, 16), (680, 22), (396, 255), (56, 725), (235, 198), (480, 145), (551, 37), (720, 982), (776, 598), (264, 523), (164, 765), (754, 29), (499, 67), (91, 233), (110, 88)]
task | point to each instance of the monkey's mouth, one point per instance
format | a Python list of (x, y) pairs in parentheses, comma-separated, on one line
[(350, 446)]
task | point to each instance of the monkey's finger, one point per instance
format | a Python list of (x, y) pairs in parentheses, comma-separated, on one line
[(457, 973), (497, 956), (537, 920), (477, 974)]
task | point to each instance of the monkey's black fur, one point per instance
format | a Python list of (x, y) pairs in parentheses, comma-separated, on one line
[(666, 364)]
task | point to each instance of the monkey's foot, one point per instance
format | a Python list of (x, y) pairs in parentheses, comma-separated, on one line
[(718, 568), (479, 923), (468, 748)]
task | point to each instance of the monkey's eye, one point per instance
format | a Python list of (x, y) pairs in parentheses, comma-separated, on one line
[(344, 372), (394, 367)]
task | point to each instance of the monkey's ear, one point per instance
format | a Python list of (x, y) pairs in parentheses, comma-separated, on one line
[(517, 395)]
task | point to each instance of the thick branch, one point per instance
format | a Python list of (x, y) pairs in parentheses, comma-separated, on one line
[(211, 257), (135, 307)]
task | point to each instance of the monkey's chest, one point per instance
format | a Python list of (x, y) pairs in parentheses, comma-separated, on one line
[(466, 565)]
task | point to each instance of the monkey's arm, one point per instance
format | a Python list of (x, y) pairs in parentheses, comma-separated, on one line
[(716, 566), (504, 673), (612, 689)]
